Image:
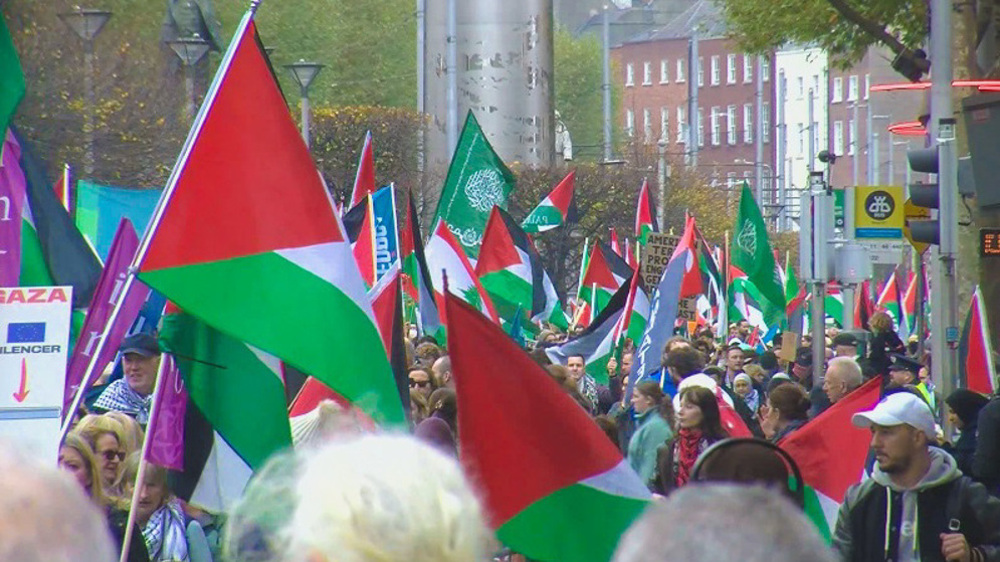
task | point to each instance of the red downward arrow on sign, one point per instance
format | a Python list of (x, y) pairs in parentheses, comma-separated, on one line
[(22, 393)]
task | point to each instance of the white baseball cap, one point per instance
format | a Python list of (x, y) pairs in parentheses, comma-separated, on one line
[(896, 409)]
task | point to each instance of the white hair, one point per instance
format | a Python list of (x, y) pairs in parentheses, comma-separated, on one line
[(848, 369), (46, 517), (363, 498), (710, 522)]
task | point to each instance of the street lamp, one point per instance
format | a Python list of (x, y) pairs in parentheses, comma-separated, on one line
[(190, 50), (662, 173), (87, 23), (304, 74)]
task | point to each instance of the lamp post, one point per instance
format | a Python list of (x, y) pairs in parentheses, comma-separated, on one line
[(661, 176), (190, 50), (87, 23), (304, 74)]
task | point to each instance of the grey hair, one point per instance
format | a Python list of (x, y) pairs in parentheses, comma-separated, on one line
[(849, 370), (47, 517), (362, 498), (713, 522)]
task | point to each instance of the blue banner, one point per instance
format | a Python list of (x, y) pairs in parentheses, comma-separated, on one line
[(99, 209), (386, 232)]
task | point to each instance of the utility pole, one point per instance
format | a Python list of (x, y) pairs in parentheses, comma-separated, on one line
[(856, 157), (451, 71), (606, 81), (782, 148), (693, 121), (759, 133)]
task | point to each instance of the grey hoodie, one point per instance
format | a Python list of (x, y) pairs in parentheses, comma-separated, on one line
[(943, 469)]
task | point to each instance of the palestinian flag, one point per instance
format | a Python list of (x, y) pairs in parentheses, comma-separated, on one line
[(633, 322), (43, 247), (596, 343), (746, 303), (477, 181), (445, 259), (909, 304), (645, 216), (364, 180), (553, 211), (387, 305), (247, 241), (606, 272), (238, 392), (359, 224), (795, 297), (833, 305), (511, 271), (616, 246), (11, 77), (692, 283), (975, 352), (416, 278), (889, 300), (864, 307), (574, 496), (832, 453)]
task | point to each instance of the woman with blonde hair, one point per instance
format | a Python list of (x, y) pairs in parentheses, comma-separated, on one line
[(105, 437), (77, 458), (131, 431), (884, 342)]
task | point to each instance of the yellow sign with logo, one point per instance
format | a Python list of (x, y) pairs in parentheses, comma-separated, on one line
[(912, 211), (878, 212)]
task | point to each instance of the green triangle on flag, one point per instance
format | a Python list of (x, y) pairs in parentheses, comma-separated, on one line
[(477, 181)]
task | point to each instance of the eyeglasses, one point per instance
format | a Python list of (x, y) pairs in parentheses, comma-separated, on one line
[(419, 384), (110, 455)]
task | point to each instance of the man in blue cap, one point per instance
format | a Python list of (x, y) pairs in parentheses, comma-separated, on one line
[(133, 393)]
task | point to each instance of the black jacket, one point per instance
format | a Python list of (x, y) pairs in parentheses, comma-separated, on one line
[(986, 461)]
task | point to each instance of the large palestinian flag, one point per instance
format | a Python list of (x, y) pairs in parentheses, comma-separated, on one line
[(975, 351), (553, 211), (511, 271), (573, 495), (596, 343), (831, 453), (246, 239)]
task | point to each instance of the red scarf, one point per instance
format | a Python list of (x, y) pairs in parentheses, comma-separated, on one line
[(686, 450)]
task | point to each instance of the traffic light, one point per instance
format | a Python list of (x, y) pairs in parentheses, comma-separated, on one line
[(927, 195)]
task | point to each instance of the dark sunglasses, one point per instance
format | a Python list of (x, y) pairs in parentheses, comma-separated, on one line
[(110, 455), (420, 384)]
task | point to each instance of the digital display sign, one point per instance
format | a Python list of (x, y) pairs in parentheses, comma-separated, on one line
[(989, 242)]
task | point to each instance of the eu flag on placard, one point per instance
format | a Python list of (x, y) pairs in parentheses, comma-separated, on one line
[(26, 332)]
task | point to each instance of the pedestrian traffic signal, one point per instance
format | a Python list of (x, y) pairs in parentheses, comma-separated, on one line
[(927, 195)]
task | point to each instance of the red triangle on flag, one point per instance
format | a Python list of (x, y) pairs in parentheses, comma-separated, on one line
[(562, 195), (521, 437), (364, 247), (364, 181), (497, 251), (598, 271), (227, 189)]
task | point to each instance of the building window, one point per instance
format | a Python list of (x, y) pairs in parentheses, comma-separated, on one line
[(802, 138), (701, 72), (868, 84), (715, 70), (629, 75), (665, 123), (681, 128), (647, 126), (629, 122), (838, 90), (800, 83), (815, 136), (851, 137), (664, 71), (747, 69), (747, 123), (701, 127), (647, 73), (680, 70), (716, 128), (731, 124), (730, 69), (852, 88), (816, 84), (765, 122), (765, 69), (838, 137)]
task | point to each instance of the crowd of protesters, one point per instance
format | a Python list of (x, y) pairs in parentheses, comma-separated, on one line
[(930, 495)]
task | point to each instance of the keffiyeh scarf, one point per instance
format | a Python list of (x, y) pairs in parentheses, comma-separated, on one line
[(120, 397), (165, 534)]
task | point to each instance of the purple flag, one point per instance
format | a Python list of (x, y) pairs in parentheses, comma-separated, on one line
[(166, 430), (13, 196), (108, 292)]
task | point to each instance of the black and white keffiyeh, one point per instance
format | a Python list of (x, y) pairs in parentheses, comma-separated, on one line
[(120, 397), (165, 534)]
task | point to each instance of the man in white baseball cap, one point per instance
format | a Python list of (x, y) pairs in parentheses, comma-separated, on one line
[(917, 505)]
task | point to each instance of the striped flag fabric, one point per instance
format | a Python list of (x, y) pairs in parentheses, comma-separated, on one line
[(597, 340), (975, 353), (364, 180), (606, 272), (832, 453), (247, 241), (415, 276), (573, 495), (553, 211), (889, 300), (645, 216), (445, 258)]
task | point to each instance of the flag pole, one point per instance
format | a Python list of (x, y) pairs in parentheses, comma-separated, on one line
[(147, 441), (724, 305)]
